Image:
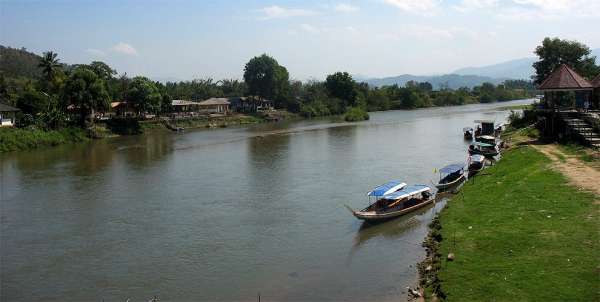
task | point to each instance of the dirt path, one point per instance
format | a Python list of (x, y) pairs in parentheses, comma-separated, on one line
[(578, 173)]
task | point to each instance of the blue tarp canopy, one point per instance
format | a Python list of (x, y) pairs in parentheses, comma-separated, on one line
[(387, 188), (467, 129), (406, 192), (452, 168), (480, 144)]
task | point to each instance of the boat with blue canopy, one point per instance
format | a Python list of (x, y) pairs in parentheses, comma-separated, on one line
[(386, 188), (451, 175), (485, 149), (396, 203)]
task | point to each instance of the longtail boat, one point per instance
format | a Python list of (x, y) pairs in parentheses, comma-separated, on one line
[(396, 204), (450, 176)]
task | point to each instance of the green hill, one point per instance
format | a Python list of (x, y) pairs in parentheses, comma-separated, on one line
[(16, 63)]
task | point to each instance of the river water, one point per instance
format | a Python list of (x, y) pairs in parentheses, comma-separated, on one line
[(225, 214)]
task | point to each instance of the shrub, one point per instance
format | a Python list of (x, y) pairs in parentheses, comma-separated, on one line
[(355, 114)]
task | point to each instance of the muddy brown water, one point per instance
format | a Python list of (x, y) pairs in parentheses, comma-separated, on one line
[(224, 214)]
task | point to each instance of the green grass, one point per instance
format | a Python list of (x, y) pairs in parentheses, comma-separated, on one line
[(519, 233), (13, 139)]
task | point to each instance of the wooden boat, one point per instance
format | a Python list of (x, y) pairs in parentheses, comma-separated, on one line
[(468, 133), (395, 204), (485, 149), (450, 176), (484, 127), (488, 139), (476, 164)]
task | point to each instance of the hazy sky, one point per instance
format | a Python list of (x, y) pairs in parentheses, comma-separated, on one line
[(198, 39)]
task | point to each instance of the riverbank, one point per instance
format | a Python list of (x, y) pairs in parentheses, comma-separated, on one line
[(15, 139), (20, 139), (519, 231)]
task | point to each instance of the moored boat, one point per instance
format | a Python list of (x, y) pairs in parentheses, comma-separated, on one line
[(476, 164), (484, 127), (450, 176), (485, 149), (468, 133), (396, 203)]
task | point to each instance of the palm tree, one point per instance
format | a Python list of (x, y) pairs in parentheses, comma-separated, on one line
[(49, 65)]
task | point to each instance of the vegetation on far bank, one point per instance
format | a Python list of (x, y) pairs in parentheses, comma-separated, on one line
[(518, 232), (14, 139)]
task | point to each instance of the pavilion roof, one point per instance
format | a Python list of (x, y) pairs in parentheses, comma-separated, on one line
[(564, 78), (596, 81)]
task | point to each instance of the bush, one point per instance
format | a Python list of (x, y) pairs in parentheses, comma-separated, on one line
[(355, 114), (522, 119)]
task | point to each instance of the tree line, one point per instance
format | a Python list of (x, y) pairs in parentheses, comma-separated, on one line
[(52, 94)]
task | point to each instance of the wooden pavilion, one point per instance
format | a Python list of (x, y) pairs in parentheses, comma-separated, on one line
[(565, 88)]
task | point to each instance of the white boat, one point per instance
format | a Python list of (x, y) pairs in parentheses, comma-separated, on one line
[(396, 204)]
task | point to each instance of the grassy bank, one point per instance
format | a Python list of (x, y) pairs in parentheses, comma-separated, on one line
[(13, 139), (206, 122), (518, 233)]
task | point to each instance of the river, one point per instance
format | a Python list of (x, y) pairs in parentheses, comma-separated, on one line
[(225, 214)]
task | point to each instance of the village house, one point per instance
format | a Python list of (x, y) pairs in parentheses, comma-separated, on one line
[(122, 109), (183, 106), (7, 115), (215, 105), (250, 104)]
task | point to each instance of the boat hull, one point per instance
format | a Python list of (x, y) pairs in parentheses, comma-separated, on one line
[(373, 216), (450, 184)]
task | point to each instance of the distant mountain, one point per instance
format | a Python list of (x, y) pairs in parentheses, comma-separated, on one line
[(452, 81), (514, 69)]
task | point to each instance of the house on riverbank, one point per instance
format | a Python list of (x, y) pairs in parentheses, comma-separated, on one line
[(250, 104), (7, 115), (182, 106), (215, 105)]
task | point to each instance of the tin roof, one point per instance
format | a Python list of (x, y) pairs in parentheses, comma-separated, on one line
[(215, 101), (6, 108)]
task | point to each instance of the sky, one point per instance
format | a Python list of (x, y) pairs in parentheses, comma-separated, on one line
[(184, 40)]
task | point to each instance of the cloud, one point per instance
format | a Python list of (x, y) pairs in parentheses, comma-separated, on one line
[(310, 28), (278, 12), (420, 7), (346, 8), (470, 5), (430, 33), (95, 52), (124, 48)]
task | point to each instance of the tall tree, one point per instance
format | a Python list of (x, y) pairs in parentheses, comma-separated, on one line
[(341, 85), (554, 52), (49, 63), (265, 78), (87, 92), (102, 69), (144, 94)]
